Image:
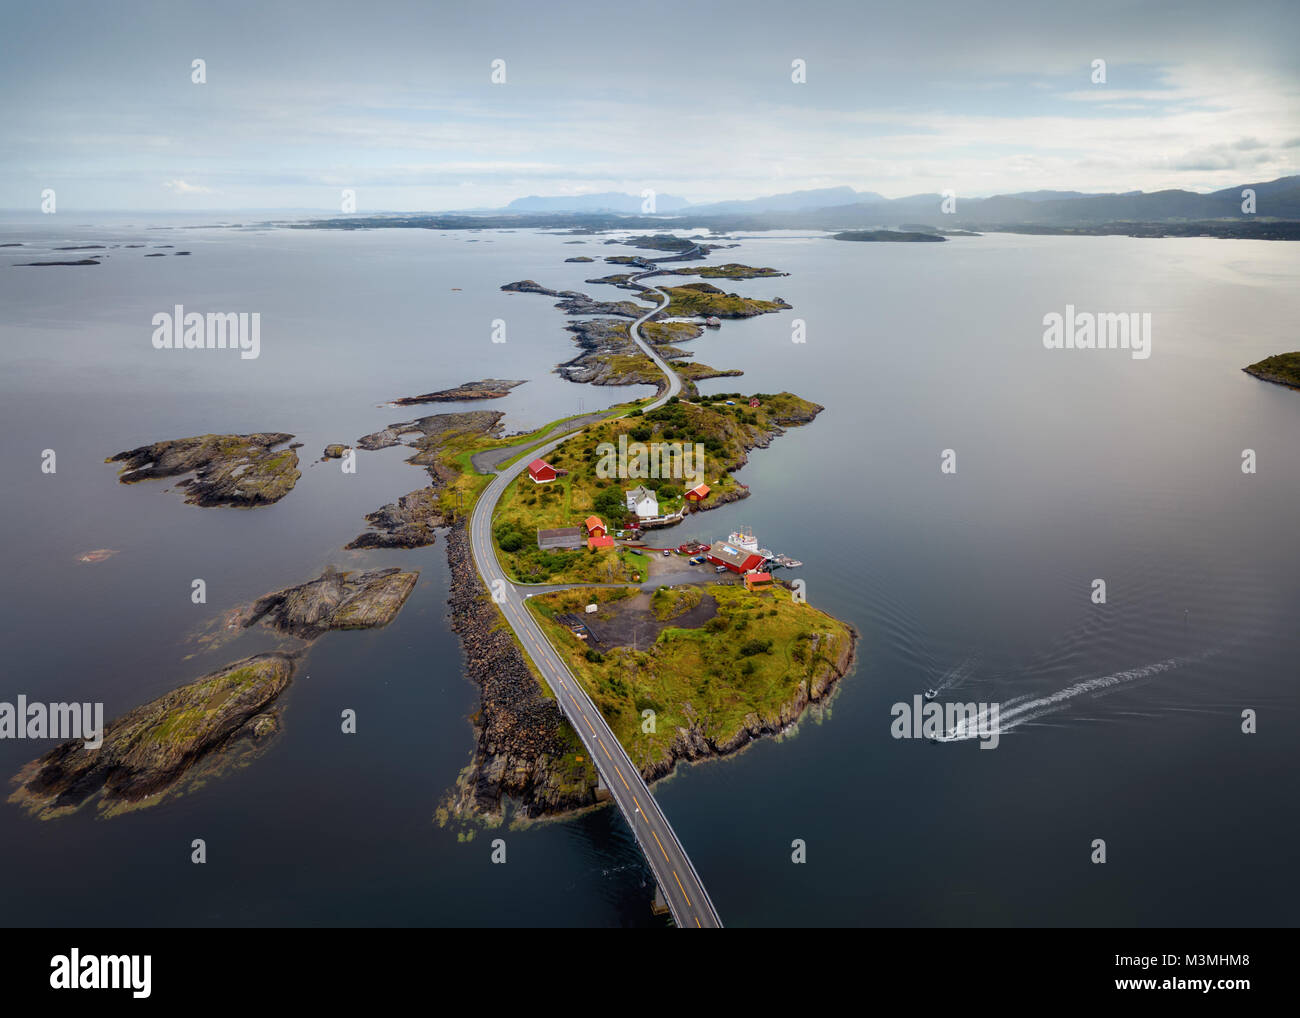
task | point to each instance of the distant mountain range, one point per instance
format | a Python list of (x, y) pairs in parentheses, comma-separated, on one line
[(614, 201), (609, 201), (838, 208)]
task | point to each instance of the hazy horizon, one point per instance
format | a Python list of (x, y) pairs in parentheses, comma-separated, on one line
[(398, 103)]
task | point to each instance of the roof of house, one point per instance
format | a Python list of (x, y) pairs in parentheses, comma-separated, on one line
[(537, 465), (600, 542), (592, 522), (731, 555), (562, 537), (638, 495), (758, 577), (700, 489)]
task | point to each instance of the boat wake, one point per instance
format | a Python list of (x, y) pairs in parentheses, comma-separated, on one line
[(1022, 709)]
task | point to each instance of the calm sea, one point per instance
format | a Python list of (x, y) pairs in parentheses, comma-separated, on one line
[(1121, 721)]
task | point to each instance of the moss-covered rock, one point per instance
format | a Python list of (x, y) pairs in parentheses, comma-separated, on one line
[(147, 752), (229, 470)]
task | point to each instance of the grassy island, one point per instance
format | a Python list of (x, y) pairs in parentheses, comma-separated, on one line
[(717, 664), (726, 432), (1281, 369), (706, 299)]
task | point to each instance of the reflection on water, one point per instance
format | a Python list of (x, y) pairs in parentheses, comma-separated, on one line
[(1121, 721)]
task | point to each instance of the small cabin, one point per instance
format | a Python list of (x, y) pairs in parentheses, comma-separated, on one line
[(758, 581), (698, 494), (541, 471), (595, 528)]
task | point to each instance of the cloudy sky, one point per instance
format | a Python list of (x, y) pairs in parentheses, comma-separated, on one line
[(396, 99)]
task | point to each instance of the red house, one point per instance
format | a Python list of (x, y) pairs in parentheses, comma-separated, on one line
[(600, 542), (758, 581), (541, 471), (594, 527), (738, 560), (698, 494)]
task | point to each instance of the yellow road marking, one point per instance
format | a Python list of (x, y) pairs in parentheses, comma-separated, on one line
[(697, 922), (623, 779), (660, 844), (684, 894)]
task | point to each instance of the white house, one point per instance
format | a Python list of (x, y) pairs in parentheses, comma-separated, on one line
[(643, 502)]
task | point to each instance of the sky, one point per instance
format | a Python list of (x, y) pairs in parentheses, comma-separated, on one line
[(395, 100)]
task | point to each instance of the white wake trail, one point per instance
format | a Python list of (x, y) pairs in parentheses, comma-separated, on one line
[(1017, 712)]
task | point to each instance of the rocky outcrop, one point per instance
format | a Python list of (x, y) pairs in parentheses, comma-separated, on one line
[(731, 270), (79, 261), (1280, 369), (335, 600), (584, 305), (520, 734), (148, 751), (231, 470), (431, 430), (532, 286), (488, 388), (657, 333), (410, 522)]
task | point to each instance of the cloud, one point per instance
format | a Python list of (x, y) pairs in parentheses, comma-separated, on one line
[(185, 187)]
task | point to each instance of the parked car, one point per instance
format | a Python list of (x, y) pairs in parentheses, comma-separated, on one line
[(697, 560), (667, 553), (719, 569)]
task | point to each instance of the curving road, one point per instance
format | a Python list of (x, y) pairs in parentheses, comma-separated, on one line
[(677, 879)]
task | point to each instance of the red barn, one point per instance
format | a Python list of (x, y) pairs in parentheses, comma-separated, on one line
[(698, 494), (738, 560), (541, 471)]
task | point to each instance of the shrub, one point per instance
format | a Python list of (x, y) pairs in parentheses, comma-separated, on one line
[(751, 647)]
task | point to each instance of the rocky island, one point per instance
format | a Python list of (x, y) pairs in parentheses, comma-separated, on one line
[(153, 750), (1280, 369), (896, 236), (335, 600), (488, 388), (705, 299), (229, 470)]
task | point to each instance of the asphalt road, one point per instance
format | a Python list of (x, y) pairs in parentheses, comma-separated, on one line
[(677, 879)]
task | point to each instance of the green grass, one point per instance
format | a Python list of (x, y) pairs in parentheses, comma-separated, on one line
[(726, 433), (700, 677), (1282, 368), (705, 299)]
